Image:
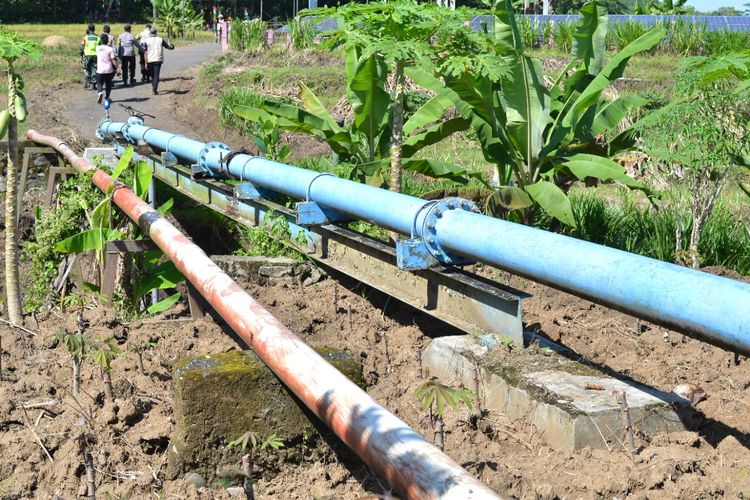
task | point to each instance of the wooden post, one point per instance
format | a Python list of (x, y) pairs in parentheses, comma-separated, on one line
[(626, 422)]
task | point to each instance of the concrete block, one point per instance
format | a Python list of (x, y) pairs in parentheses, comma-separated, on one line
[(550, 389), (219, 397), (268, 270)]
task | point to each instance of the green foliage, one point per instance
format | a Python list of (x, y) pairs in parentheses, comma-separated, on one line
[(77, 344), (656, 8), (13, 47), (267, 136), (177, 17), (635, 228), (271, 238), (256, 442), (543, 139), (435, 396), (248, 36), (233, 98), (102, 353), (303, 33), (52, 225), (623, 34)]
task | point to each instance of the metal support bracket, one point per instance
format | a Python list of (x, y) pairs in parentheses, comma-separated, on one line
[(309, 213), (413, 255), (246, 191), (168, 159)]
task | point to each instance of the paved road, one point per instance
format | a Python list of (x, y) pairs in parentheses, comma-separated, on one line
[(177, 70)]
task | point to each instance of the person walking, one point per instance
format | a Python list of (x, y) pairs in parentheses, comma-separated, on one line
[(154, 48), (106, 67), (126, 51), (106, 29), (142, 37), (89, 43)]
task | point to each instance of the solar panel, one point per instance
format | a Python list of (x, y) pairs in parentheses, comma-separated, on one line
[(713, 23)]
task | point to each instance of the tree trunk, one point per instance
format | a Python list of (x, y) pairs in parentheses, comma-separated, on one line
[(439, 432), (76, 374), (139, 361), (107, 378), (398, 128), (12, 285), (90, 475), (247, 471), (705, 193)]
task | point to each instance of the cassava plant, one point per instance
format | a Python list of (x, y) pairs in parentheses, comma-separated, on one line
[(702, 138), (103, 353), (78, 345), (543, 138), (138, 350), (434, 397), (254, 442), (11, 49)]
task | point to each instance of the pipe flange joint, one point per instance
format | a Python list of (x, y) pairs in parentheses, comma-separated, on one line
[(429, 227), (99, 133), (203, 155), (126, 133)]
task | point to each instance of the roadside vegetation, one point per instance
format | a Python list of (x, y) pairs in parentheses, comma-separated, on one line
[(604, 182)]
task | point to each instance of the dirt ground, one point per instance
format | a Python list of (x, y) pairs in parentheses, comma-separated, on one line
[(128, 439)]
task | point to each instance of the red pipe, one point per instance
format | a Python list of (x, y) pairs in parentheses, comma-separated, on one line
[(409, 463)]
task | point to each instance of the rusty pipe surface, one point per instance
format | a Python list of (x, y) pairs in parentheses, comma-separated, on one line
[(410, 464)]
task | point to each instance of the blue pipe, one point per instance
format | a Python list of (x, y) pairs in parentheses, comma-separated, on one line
[(707, 307)]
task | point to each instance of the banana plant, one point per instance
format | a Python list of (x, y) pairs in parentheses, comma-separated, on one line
[(542, 139), (156, 276)]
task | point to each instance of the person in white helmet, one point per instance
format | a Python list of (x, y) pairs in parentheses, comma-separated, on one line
[(154, 47)]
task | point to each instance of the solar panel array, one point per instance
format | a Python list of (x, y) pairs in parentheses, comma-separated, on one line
[(713, 23)]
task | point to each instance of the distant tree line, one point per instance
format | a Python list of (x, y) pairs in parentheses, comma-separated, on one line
[(22, 11)]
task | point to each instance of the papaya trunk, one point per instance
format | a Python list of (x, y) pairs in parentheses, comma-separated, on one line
[(12, 285), (398, 127)]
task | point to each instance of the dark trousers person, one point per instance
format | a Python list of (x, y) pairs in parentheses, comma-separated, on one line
[(145, 76), (105, 81), (154, 70), (89, 69), (128, 69)]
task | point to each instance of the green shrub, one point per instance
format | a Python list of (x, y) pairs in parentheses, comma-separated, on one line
[(723, 41), (303, 33), (563, 37), (622, 34), (271, 238), (683, 36), (248, 36), (725, 240), (238, 96), (52, 225)]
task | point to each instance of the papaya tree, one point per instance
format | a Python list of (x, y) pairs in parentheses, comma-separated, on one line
[(541, 139), (380, 40), (701, 140), (12, 48)]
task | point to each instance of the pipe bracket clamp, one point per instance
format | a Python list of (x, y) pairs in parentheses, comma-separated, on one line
[(103, 135), (429, 229), (203, 155)]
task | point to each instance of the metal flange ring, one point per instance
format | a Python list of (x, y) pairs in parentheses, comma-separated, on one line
[(429, 227), (203, 155)]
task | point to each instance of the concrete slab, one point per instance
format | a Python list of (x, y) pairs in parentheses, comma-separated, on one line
[(542, 384)]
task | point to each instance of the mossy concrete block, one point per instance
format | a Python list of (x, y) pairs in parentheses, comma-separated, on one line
[(550, 389), (219, 397)]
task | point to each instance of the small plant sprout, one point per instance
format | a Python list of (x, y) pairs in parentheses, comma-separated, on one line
[(77, 345), (507, 343), (254, 440), (139, 349), (103, 353), (434, 396)]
